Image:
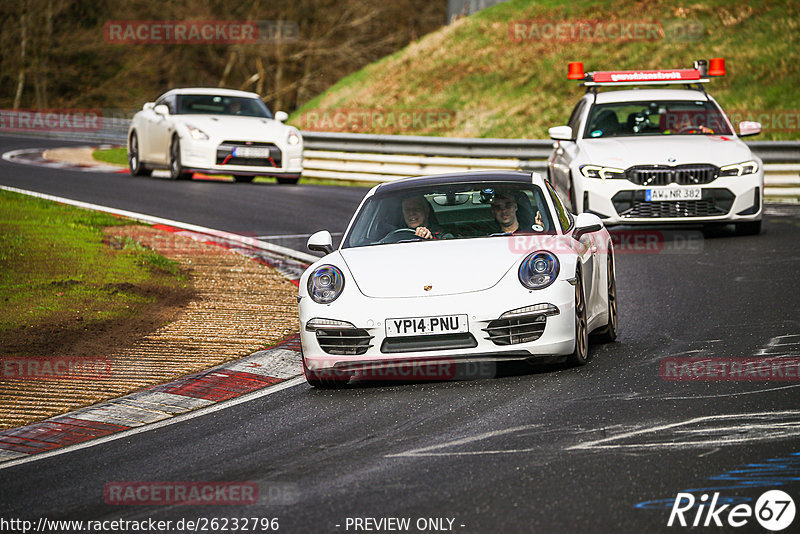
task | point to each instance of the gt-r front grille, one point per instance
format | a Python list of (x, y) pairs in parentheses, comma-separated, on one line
[(344, 341), (679, 174), (515, 330), (713, 203), (271, 157), (432, 342)]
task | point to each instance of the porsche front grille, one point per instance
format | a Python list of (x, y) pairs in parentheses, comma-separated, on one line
[(515, 330), (679, 174), (344, 341)]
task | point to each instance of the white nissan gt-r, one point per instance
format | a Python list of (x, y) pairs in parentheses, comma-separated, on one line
[(468, 267), (214, 131)]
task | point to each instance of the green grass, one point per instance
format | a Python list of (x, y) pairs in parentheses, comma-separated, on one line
[(115, 156), (492, 86), (56, 265)]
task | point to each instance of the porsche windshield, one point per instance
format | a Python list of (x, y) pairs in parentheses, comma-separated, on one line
[(636, 119), (458, 211), (222, 105)]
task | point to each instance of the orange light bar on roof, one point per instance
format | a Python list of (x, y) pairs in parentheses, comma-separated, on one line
[(716, 67), (575, 70)]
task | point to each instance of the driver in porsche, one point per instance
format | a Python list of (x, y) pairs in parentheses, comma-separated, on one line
[(416, 213)]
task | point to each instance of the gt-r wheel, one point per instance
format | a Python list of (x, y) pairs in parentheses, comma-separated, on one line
[(324, 380), (176, 171), (748, 228), (243, 179), (580, 356), (134, 163), (609, 332), (287, 181)]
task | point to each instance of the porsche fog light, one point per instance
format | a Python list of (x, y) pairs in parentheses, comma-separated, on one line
[(325, 284), (538, 270)]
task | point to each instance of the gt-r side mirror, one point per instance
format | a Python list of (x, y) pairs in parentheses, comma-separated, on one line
[(747, 128), (560, 133), (148, 105), (321, 242), (161, 109), (586, 223), (281, 116)]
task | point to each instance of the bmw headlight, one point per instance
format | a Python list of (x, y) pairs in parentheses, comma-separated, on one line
[(325, 284), (196, 133), (605, 173), (538, 270), (739, 169), (294, 138)]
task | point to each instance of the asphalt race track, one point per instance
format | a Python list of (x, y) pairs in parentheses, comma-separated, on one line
[(541, 448)]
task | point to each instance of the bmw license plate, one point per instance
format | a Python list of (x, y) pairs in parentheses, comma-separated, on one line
[(674, 193), (250, 152), (424, 326)]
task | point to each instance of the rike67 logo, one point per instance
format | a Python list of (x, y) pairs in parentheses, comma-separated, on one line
[(774, 510)]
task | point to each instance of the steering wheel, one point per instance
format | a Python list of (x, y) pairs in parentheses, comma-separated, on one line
[(401, 234)]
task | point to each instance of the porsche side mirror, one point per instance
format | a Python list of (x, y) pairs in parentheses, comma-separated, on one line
[(161, 109), (560, 133), (148, 105), (586, 223), (281, 116), (321, 242), (747, 128)]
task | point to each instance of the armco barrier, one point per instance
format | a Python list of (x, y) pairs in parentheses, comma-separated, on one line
[(377, 158)]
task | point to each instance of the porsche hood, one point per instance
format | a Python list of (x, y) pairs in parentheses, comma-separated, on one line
[(421, 269)]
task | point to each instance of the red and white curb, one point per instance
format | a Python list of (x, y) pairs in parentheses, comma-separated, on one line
[(231, 380), (35, 156), (197, 393)]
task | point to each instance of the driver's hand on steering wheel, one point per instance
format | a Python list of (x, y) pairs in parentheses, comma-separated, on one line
[(423, 232)]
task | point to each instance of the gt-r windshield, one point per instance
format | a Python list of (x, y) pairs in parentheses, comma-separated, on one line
[(662, 117), (222, 105), (457, 211)]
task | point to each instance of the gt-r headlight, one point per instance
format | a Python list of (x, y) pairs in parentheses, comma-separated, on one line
[(739, 169), (538, 270), (325, 284), (196, 133), (605, 173), (294, 138)]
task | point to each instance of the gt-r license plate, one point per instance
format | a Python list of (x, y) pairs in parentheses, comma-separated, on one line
[(424, 326), (682, 193), (250, 152)]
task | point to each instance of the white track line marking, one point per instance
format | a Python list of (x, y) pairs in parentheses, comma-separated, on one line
[(150, 219), (164, 422), (424, 451)]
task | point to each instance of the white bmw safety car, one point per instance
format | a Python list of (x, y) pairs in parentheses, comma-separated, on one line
[(469, 267), (214, 131), (656, 155)]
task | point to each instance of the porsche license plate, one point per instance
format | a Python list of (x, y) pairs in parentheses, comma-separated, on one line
[(682, 193), (424, 326), (250, 152)]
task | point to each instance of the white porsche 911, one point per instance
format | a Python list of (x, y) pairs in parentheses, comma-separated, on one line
[(214, 131), (456, 268)]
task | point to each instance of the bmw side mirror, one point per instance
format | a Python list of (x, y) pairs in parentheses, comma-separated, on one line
[(321, 242), (747, 128), (281, 116), (560, 133), (161, 109), (586, 223)]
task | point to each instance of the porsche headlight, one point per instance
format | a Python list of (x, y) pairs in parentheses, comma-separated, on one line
[(196, 133), (294, 138), (538, 270), (325, 284), (739, 169), (596, 171)]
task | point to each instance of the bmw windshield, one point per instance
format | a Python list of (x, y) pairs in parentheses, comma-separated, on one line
[(662, 117)]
